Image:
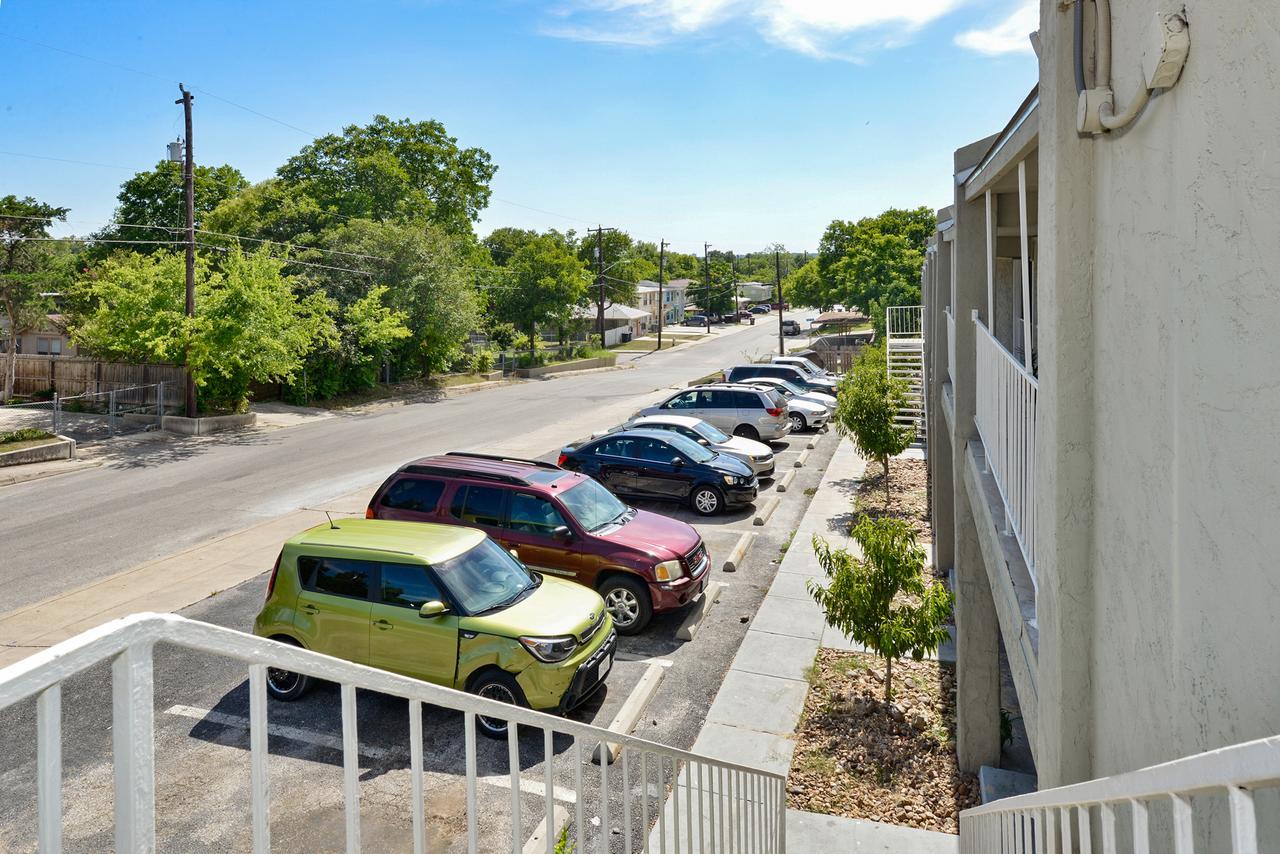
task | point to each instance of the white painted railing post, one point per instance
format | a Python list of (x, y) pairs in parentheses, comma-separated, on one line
[(259, 773), (49, 768), (133, 748)]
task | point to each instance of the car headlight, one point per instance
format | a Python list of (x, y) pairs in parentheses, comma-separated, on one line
[(763, 458), (668, 570), (731, 479), (550, 649)]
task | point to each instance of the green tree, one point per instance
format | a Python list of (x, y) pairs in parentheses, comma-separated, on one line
[(623, 265), (504, 242), (883, 600), (546, 282), (395, 170), (875, 262), (867, 403), (29, 269), (805, 287), (250, 326), (155, 199), (270, 210), (349, 357)]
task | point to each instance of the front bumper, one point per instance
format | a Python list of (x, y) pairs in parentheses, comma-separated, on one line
[(676, 594), (590, 674), (736, 496)]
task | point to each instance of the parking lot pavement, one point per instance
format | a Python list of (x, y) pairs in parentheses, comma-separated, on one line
[(202, 742)]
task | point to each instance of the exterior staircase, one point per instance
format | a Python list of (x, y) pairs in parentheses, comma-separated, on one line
[(904, 353)]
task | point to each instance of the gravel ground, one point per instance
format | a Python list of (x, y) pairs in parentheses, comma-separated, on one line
[(860, 757), (908, 495)]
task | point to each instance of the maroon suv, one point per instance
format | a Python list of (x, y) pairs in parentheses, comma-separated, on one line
[(560, 522)]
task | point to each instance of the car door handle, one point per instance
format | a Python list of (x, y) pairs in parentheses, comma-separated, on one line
[(384, 624), (309, 609)]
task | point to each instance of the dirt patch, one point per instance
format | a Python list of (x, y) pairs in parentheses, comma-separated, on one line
[(860, 758), (908, 495)]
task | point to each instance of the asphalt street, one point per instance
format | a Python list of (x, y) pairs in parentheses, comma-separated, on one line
[(62, 532)]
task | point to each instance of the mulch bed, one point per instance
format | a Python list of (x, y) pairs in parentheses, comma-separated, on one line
[(858, 757), (908, 494)]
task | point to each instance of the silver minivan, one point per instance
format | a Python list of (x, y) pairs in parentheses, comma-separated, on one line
[(749, 412)]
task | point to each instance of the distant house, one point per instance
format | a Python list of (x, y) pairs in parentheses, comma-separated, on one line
[(674, 300), (621, 322), (755, 291), (48, 338)]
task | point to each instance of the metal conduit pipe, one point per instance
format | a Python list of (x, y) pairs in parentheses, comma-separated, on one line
[(1078, 36)]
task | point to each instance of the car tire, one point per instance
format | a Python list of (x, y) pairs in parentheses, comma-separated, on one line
[(286, 685), (501, 686), (798, 424), (706, 500), (628, 598), (746, 431)]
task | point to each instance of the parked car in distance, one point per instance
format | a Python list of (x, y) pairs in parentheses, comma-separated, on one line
[(789, 388), (696, 320), (804, 414), (759, 309), (758, 455), (791, 373), (805, 364), (750, 413), (560, 523), (790, 327), (439, 603), (664, 465)]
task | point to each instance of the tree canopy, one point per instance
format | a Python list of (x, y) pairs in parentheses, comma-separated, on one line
[(30, 267), (155, 199), (546, 281), (875, 262)]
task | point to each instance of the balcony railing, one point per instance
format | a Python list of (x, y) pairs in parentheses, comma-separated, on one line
[(1047, 821), (904, 321), (719, 798), (951, 344), (1006, 416)]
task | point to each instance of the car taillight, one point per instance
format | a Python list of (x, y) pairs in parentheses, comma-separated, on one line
[(275, 570), (775, 412), (368, 512), (564, 458)]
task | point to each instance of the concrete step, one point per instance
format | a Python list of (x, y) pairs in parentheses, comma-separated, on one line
[(997, 783), (813, 832)]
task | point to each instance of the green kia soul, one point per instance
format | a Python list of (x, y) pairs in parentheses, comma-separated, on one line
[(440, 603)]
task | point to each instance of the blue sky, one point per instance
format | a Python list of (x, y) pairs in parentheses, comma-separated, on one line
[(739, 122)]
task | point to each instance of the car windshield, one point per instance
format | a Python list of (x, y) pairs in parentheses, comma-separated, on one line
[(813, 368), (690, 448), (710, 433), (791, 387), (592, 505), (486, 578)]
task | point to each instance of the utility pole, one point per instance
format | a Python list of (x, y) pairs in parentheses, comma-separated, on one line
[(706, 285), (777, 277), (188, 189), (599, 232), (662, 269)]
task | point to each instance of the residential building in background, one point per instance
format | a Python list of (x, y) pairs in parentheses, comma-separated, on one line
[(49, 338), (673, 300), (1101, 310)]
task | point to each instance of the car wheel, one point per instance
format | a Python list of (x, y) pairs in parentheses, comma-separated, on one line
[(501, 686), (285, 684), (628, 602), (797, 422), (706, 501), (746, 431)]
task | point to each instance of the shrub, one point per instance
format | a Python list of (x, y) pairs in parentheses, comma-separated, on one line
[(26, 434), (483, 362), (867, 403)]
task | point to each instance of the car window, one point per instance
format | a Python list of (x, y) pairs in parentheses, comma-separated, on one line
[(720, 399), (744, 371), (336, 576), (530, 514), (407, 585), (747, 400), (655, 451), (616, 447), (414, 493), (689, 448), (592, 505), (687, 400), (486, 577), (711, 433), (479, 505)]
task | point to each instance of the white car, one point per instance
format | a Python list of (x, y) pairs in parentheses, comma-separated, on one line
[(803, 364), (790, 389), (803, 414), (758, 455)]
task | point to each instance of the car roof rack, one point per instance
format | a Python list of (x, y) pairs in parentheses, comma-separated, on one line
[(502, 459), (453, 471)]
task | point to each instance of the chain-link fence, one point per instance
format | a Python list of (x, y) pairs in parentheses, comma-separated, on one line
[(93, 415)]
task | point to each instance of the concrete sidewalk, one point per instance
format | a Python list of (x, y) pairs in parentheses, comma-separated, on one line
[(754, 716)]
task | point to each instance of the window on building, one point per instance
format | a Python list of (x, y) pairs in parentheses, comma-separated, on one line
[(48, 346)]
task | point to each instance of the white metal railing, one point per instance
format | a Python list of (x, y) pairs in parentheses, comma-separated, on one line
[(746, 804), (951, 344), (904, 321), (1047, 821), (1005, 412)]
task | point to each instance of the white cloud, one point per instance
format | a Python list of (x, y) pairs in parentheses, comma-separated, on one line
[(820, 28), (1008, 36)]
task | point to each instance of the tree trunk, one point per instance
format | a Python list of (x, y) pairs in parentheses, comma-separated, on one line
[(885, 462), (533, 345), (10, 368), (888, 679)]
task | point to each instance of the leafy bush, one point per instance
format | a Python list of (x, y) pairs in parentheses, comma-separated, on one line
[(483, 363), (867, 403), (883, 600), (26, 434)]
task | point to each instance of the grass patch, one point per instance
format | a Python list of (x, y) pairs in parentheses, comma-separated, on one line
[(811, 491), (26, 434), (787, 544), (816, 764)]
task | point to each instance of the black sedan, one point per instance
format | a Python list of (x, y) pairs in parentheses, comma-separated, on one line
[(664, 465)]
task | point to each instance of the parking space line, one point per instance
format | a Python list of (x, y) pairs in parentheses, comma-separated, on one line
[(631, 656), (331, 742)]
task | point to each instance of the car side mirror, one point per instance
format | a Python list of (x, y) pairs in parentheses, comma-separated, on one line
[(703, 442), (515, 554), (563, 533), (433, 608), (677, 462)]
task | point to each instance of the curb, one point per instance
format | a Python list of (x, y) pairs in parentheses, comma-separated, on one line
[(629, 715), (739, 551), (785, 481), (537, 841), (802, 459), (698, 613), (813, 443), (766, 510)]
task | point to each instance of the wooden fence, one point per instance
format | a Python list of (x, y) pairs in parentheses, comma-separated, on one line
[(72, 375)]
